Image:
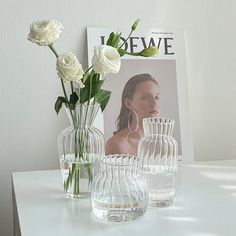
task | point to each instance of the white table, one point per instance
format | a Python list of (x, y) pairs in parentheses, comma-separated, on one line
[(205, 205)]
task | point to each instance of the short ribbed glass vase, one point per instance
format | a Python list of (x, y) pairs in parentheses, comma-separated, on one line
[(157, 154), (80, 146), (119, 191)]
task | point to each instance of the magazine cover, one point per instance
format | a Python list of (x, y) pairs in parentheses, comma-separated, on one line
[(168, 69)]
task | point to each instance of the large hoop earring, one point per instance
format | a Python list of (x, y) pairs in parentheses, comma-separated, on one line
[(137, 121)]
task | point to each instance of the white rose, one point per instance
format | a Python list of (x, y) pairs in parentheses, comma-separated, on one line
[(45, 33), (106, 59), (69, 68)]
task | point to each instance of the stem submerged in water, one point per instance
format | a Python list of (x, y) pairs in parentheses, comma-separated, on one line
[(82, 166)]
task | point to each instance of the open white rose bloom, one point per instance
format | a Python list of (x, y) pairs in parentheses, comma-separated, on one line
[(69, 68), (45, 33), (106, 60)]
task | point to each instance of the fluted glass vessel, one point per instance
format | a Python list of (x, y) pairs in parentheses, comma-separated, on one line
[(157, 153), (80, 147), (119, 191)]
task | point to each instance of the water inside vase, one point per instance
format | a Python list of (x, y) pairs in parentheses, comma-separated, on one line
[(77, 176), (161, 185)]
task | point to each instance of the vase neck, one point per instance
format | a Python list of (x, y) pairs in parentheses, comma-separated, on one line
[(83, 115), (158, 126)]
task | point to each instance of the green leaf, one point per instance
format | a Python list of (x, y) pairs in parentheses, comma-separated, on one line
[(73, 100), (102, 98), (58, 103), (110, 38), (92, 86), (85, 77), (114, 39)]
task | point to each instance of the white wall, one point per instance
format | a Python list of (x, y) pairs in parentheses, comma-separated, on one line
[(28, 124)]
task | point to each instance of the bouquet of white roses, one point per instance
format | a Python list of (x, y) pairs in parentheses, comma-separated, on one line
[(85, 85), (85, 89)]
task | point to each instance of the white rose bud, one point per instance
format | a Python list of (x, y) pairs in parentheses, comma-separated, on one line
[(106, 59), (69, 69), (45, 33)]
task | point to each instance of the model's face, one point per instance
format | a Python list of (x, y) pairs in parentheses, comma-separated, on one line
[(145, 100)]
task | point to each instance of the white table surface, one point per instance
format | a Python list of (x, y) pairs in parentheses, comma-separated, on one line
[(205, 205)]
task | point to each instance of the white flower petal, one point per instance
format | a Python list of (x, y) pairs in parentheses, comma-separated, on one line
[(45, 33), (106, 60), (69, 68)]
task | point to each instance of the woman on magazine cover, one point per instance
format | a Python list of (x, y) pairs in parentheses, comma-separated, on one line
[(140, 99)]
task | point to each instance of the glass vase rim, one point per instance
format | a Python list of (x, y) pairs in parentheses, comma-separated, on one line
[(132, 159), (158, 120)]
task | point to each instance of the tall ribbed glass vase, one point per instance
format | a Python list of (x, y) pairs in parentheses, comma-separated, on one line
[(157, 153), (80, 147)]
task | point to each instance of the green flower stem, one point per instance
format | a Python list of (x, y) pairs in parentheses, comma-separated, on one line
[(63, 86), (64, 90), (62, 83), (75, 113), (73, 181), (72, 87), (90, 173), (133, 28), (126, 39), (133, 53), (88, 69), (77, 180), (53, 50), (74, 174), (90, 91)]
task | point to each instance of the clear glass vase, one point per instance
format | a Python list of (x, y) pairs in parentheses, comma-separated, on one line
[(157, 153), (119, 191), (80, 147)]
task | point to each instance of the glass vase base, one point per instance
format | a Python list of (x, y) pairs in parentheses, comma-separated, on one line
[(160, 204), (161, 198), (118, 212), (161, 187)]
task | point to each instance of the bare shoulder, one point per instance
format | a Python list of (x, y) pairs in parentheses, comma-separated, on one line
[(116, 144)]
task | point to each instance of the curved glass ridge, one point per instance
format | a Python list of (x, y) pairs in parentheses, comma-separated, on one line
[(157, 155), (119, 191), (80, 147)]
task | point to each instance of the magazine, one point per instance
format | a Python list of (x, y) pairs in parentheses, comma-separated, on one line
[(168, 68)]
